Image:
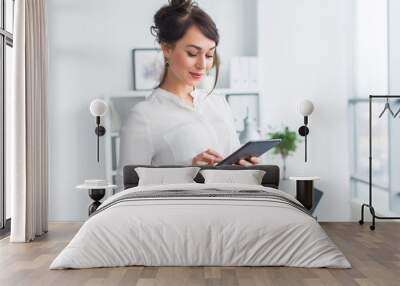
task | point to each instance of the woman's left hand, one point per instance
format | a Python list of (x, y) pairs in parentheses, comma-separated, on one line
[(249, 162)]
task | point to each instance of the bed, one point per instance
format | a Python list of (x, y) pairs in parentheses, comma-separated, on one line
[(201, 224)]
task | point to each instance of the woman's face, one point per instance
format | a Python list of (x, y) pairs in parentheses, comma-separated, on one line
[(191, 56)]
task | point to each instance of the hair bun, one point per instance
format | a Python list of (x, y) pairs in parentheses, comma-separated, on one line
[(172, 20), (182, 6)]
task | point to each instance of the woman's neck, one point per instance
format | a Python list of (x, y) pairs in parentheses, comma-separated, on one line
[(176, 87)]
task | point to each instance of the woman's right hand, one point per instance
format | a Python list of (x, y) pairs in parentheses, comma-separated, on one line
[(208, 157)]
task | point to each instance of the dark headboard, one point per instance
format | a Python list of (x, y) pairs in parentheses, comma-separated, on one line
[(270, 179)]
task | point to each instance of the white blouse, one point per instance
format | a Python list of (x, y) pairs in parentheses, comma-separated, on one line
[(165, 130)]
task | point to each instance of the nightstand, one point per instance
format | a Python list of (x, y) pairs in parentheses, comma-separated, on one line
[(305, 190), (97, 190)]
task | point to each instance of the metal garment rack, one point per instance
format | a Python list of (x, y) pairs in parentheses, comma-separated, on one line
[(371, 208)]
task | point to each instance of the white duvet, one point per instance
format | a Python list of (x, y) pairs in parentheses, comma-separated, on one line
[(200, 231)]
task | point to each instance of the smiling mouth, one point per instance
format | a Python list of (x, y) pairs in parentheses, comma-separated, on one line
[(196, 75)]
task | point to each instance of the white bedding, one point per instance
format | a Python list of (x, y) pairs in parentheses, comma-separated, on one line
[(182, 231)]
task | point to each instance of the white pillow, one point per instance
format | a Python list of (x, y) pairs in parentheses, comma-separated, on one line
[(249, 177), (162, 176)]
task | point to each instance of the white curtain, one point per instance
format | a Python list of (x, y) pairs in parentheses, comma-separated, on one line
[(27, 144)]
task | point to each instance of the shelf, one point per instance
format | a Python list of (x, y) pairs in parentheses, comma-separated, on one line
[(145, 93)]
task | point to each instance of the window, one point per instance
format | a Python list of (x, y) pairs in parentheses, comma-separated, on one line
[(6, 44), (385, 157)]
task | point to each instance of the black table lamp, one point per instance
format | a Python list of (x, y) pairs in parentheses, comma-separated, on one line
[(306, 107), (98, 108)]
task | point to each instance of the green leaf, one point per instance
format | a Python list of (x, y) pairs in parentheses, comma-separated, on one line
[(289, 141)]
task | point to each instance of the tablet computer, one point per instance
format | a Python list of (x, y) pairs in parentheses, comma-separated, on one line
[(250, 149)]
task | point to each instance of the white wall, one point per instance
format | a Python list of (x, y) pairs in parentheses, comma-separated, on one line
[(394, 89), (394, 46), (370, 77), (90, 45), (306, 53), (370, 47)]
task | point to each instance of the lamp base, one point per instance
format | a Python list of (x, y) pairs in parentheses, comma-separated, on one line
[(96, 195)]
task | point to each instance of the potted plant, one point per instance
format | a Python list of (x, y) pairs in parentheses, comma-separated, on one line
[(287, 146)]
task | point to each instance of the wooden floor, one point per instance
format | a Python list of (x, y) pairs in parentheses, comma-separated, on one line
[(375, 257)]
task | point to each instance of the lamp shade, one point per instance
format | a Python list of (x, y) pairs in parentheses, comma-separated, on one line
[(306, 107), (98, 107)]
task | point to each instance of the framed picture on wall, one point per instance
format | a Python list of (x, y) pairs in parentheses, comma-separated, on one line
[(148, 67), (243, 105)]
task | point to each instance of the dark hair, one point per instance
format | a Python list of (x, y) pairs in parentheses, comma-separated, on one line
[(172, 21)]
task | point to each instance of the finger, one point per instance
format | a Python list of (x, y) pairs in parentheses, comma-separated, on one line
[(200, 163), (209, 158), (205, 158), (215, 153), (255, 160), (198, 160), (244, 162)]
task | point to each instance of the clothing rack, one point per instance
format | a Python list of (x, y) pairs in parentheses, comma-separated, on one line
[(369, 205)]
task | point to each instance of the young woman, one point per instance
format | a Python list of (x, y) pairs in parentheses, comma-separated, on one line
[(179, 124)]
